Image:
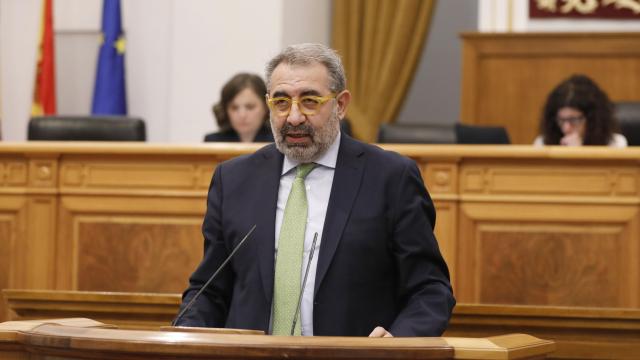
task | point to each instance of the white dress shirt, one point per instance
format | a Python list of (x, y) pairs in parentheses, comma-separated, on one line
[(318, 185)]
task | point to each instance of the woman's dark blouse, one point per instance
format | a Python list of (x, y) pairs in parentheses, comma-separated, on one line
[(264, 135)]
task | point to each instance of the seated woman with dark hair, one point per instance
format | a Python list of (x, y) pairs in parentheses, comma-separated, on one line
[(242, 112), (579, 113)]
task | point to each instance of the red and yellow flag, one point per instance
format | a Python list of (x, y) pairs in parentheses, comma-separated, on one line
[(44, 92)]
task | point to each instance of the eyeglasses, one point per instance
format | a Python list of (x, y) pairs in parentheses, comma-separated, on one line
[(573, 120), (308, 105)]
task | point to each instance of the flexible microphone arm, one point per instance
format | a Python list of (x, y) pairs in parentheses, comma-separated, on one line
[(195, 297), (304, 283)]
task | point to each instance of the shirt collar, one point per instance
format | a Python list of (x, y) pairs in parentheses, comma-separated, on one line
[(328, 159)]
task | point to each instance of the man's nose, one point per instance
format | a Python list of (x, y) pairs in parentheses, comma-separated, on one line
[(295, 117)]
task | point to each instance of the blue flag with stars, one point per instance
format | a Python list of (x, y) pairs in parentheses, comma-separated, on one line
[(109, 95)]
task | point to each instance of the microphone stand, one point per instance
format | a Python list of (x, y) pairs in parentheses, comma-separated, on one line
[(304, 283), (193, 299)]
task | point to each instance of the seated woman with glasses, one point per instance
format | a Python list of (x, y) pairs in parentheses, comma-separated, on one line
[(242, 112), (579, 113)]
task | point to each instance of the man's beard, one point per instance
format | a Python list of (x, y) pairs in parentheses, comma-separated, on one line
[(321, 138)]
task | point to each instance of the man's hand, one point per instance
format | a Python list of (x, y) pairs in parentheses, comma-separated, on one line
[(380, 332)]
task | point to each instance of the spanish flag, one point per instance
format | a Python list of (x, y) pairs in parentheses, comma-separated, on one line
[(44, 92)]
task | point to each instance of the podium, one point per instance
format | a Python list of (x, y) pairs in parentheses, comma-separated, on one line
[(78, 338)]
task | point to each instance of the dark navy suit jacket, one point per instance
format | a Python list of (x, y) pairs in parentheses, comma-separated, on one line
[(379, 262)]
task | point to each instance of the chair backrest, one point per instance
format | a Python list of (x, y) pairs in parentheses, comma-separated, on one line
[(87, 128), (628, 115), (473, 134), (416, 134)]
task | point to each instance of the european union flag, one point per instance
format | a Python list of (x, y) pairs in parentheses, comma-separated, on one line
[(109, 95)]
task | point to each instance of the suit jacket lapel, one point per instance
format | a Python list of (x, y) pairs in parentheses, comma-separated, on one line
[(269, 167), (346, 182)]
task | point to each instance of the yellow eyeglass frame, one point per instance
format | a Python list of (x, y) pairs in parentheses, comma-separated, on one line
[(319, 99)]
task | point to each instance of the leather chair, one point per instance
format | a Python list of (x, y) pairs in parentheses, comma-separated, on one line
[(416, 134), (86, 128), (628, 115), (474, 134)]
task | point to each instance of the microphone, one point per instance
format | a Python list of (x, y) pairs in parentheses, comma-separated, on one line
[(195, 297), (304, 283)]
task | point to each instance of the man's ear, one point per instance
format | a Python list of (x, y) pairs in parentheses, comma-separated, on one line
[(343, 99)]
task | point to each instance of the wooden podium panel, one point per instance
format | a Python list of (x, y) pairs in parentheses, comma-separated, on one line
[(579, 332), (550, 255), (516, 224), (83, 338)]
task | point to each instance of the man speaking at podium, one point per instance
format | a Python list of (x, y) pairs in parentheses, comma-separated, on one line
[(378, 270)]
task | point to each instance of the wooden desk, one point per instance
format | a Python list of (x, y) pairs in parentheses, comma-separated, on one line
[(83, 338), (516, 224), (579, 333), (139, 311)]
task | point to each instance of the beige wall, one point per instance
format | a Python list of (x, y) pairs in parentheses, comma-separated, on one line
[(179, 54)]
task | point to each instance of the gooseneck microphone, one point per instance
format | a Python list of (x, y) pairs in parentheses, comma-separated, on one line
[(195, 297), (304, 283)]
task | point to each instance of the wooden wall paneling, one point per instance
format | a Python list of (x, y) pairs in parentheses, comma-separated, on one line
[(157, 175), (37, 246), (85, 208), (565, 181), (152, 247), (12, 229), (446, 232), (145, 234), (13, 184), (568, 255), (507, 77), (441, 180), (39, 270), (549, 233), (146, 254), (7, 241)]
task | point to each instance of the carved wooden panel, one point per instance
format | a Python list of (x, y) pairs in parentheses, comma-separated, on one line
[(538, 254), (139, 254), (446, 233), (13, 173), (440, 178), (39, 242), (114, 217), (7, 239), (560, 179), (136, 175), (43, 172), (559, 265), (12, 244), (127, 218)]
